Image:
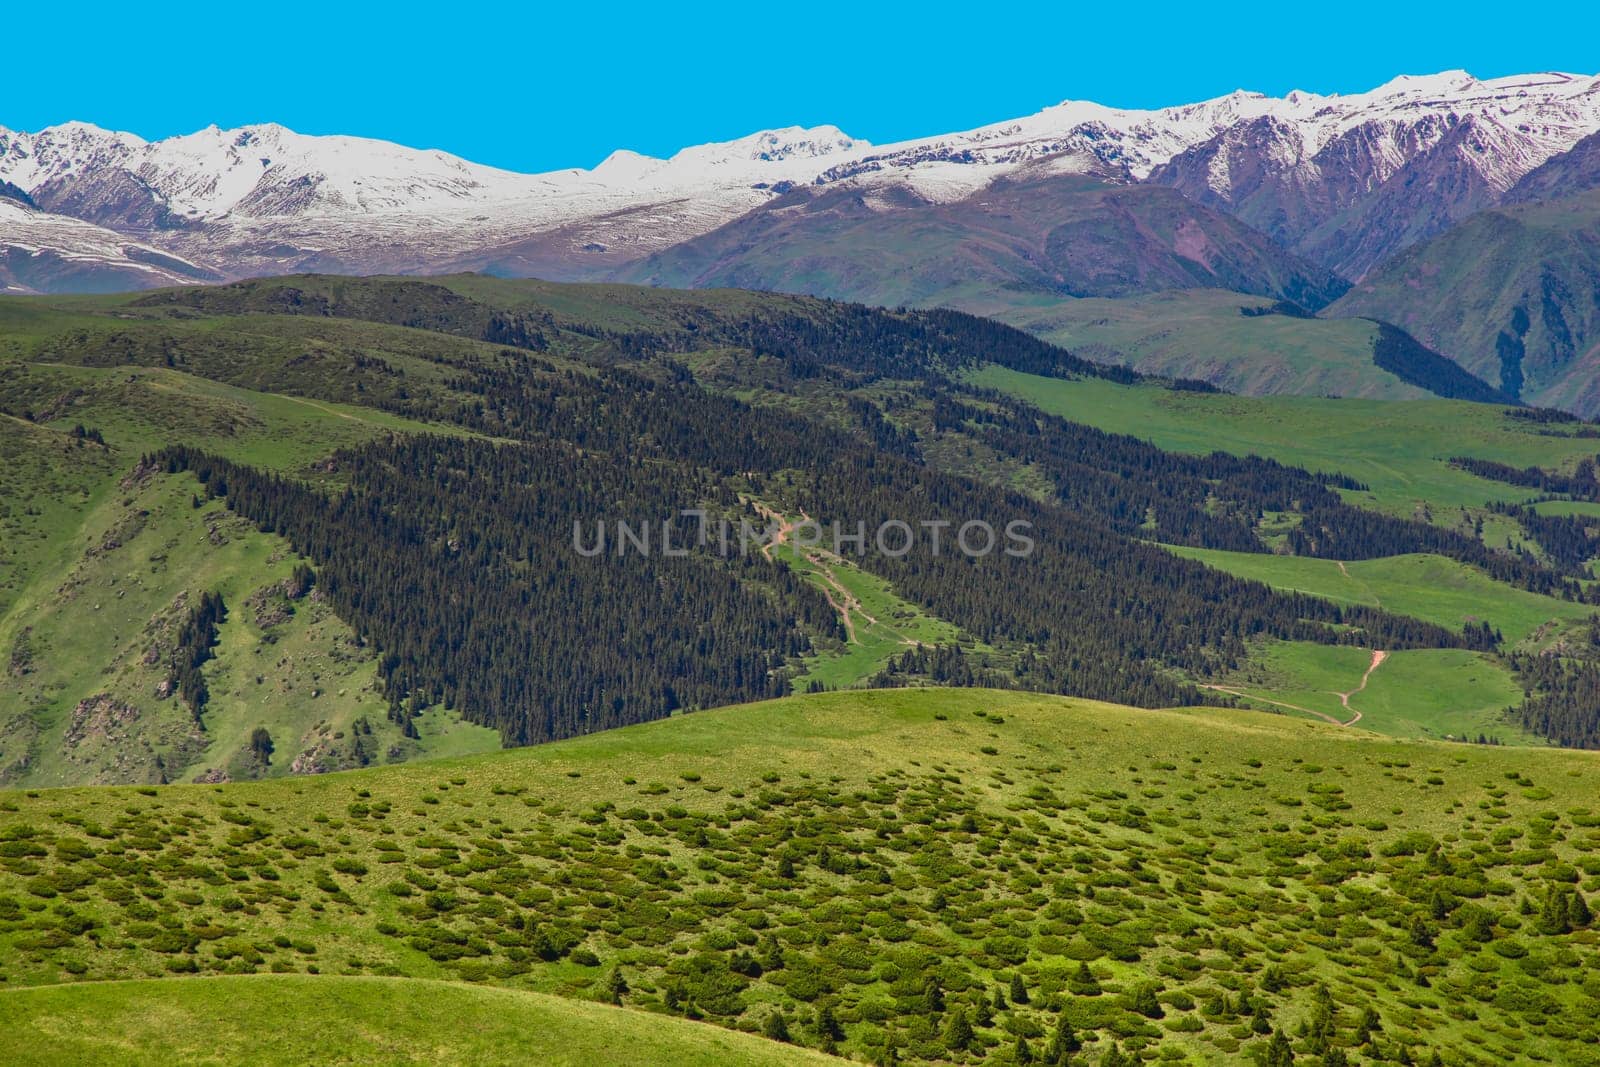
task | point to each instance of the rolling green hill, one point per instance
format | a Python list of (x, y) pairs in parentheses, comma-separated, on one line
[(1426, 587), (1400, 451), (870, 867), (1243, 344), (1202, 334), (294, 1019), (103, 558), (302, 548)]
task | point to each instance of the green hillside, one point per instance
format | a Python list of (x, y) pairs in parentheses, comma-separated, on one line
[(1400, 450), (1426, 587), (378, 1021), (1202, 334), (1439, 694), (870, 867), (285, 559), (102, 558)]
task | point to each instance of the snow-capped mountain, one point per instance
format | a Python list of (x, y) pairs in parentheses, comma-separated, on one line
[(1344, 180), (1348, 181), (262, 198), (41, 252)]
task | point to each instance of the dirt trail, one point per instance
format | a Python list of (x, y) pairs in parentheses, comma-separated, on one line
[(786, 527), (1276, 703), (1378, 656), (843, 605), (1346, 572), (839, 596)]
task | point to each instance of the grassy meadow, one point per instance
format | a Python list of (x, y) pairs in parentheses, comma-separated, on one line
[(1427, 587), (295, 1019), (1201, 333), (855, 870), (1400, 450)]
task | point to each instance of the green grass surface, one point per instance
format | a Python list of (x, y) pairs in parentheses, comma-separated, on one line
[(49, 481), (1568, 507), (47, 478), (99, 622), (295, 1019), (856, 845), (1431, 588), (1399, 449), (1443, 694), (95, 563)]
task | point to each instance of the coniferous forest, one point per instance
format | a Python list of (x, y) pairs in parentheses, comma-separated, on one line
[(454, 556)]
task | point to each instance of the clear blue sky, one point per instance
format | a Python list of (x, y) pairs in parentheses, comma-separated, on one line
[(542, 86)]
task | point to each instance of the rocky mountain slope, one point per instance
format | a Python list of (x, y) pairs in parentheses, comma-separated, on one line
[(1573, 172), (1035, 233), (1349, 181)]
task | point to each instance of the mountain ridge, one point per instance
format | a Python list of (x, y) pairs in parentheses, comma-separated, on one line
[(263, 199)]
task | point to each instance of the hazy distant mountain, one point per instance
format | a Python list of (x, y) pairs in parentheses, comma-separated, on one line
[(45, 253), (1030, 234), (1512, 294)]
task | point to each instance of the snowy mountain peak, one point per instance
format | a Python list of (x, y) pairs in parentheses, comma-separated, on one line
[(262, 197), (1448, 81), (772, 146)]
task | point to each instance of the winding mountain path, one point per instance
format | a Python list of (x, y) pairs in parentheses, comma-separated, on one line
[(1378, 656), (838, 595), (1275, 703)]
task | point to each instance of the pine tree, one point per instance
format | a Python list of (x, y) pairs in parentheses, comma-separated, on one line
[(261, 745), (1063, 1043), (829, 1032), (1578, 910), (1553, 915), (958, 1032), (1279, 1054), (1019, 991), (1146, 1002), (772, 955), (616, 986)]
